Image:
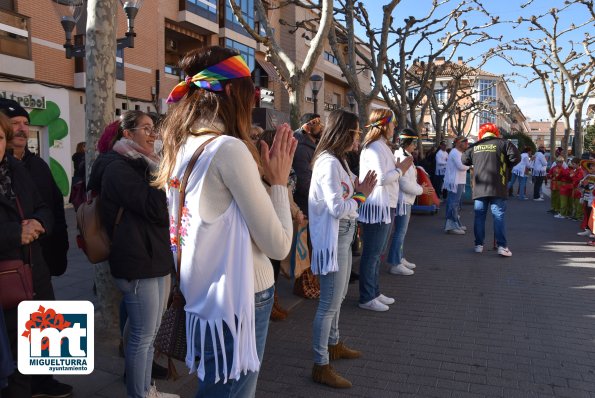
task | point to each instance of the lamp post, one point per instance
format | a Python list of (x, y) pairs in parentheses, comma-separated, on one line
[(351, 100), (69, 12), (315, 83)]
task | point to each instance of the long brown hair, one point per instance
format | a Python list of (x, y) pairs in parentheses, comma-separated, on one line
[(233, 110), (374, 133), (6, 127), (338, 135)]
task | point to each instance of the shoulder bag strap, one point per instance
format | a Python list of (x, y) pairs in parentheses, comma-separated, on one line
[(187, 172), (22, 215)]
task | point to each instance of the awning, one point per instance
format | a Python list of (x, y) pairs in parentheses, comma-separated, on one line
[(269, 69)]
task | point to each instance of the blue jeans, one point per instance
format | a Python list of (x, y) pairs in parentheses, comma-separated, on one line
[(522, 183), (498, 207), (245, 386), (374, 237), (453, 204), (396, 252), (144, 300), (333, 288)]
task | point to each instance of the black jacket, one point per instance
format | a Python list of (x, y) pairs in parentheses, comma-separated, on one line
[(54, 245), (140, 242), (10, 226), (302, 165), (492, 160)]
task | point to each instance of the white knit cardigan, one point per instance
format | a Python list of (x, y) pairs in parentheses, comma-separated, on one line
[(378, 156), (329, 200)]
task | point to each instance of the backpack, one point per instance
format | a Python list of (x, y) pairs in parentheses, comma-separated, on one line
[(93, 238)]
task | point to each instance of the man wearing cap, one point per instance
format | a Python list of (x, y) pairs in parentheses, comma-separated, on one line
[(307, 137), (454, 182), (54, 246), (539, 172), (492, 159)]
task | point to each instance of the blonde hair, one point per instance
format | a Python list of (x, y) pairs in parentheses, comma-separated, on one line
[(233, 110), (375, 132)]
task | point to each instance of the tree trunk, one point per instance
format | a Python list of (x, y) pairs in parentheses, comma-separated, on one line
[(363, 104), (100, 108), (553, 140), (578, 144), (296, 95)]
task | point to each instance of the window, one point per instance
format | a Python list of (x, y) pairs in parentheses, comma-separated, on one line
[(487, 117), (210, 5), (244, 50), (120, 63), (412, 93), (247, 7), (487, 92), (330, 58), (440, 95)]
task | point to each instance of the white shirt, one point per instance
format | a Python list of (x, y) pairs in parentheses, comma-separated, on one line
[(456, 172), (441, 160)]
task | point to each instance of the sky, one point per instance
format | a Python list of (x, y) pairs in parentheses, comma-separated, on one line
[(530, 99)]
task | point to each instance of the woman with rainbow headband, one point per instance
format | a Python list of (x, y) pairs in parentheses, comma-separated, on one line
[(376, 214), (228, 225), (334, 198)]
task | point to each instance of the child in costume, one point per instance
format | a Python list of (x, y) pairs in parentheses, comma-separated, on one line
[(554, 177)]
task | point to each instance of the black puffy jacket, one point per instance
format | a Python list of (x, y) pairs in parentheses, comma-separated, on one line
[(140, 242), (492, 160)]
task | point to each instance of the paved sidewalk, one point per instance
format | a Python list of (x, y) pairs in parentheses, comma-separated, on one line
[(465, 325)]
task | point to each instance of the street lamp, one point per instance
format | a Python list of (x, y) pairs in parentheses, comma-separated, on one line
[(315, 83), (69, 12), (351, 100)]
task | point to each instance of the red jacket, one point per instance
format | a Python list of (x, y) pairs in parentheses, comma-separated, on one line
[(554, 176), (579, 174)]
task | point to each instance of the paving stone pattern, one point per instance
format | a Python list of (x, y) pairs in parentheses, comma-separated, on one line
[(465, 325)]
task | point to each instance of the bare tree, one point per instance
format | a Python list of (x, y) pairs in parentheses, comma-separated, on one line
[(360, 55), (294, 76), (571, 65), (416, 39)]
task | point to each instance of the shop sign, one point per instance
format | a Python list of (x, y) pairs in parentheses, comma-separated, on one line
[(25, 100)]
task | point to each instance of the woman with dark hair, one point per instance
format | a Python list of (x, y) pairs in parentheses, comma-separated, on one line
[(135, 216), (519, 172), (228, 226), (19, 240), (335, 196), (408, 190), (376, 214)]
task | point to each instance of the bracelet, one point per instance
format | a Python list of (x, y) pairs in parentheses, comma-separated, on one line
[(359, 197)]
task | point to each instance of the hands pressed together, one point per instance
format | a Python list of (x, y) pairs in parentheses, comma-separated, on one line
[(277, 160), (404, 164), (31, 229), (367, 185)]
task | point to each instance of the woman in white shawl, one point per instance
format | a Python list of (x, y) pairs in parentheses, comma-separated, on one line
[(334, 198), (376, 214), (228, 225)]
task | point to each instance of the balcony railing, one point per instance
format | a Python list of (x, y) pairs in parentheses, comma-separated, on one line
[(15, 34)]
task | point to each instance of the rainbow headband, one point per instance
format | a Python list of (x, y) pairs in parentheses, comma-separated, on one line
[(381, 122), (211, 77), (405, 136)]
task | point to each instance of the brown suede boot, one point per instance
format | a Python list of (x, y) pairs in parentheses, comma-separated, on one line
[(325, 374), (341, 351)]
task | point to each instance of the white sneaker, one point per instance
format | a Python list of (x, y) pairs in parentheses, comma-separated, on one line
[(153, 393), (559, 216), (385, 300), (374, 305), (456, 231), (407, 264), (538, 200), (504, 252), (463, 227), (478, 249), (400, 270), (586, 232)]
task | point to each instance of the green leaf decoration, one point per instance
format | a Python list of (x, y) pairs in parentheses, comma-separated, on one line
[(43, 117), (57, 130), (59, 176)]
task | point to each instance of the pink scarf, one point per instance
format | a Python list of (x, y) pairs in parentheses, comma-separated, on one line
[(131, 149)]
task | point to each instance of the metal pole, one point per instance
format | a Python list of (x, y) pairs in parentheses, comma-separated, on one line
[(315, 95)]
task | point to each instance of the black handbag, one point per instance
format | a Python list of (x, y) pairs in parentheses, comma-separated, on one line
[(171, 337)]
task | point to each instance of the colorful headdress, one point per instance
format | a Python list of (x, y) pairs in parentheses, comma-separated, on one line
[(585, 163), (407, 135), (488, 130), (211, 77), (384, 121)]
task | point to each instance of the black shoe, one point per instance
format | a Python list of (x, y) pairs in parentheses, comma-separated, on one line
[(158, 371), (53, 389), (353, 277), (551, 211)]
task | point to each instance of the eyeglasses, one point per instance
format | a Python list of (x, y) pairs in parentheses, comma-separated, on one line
[(148, 130)]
